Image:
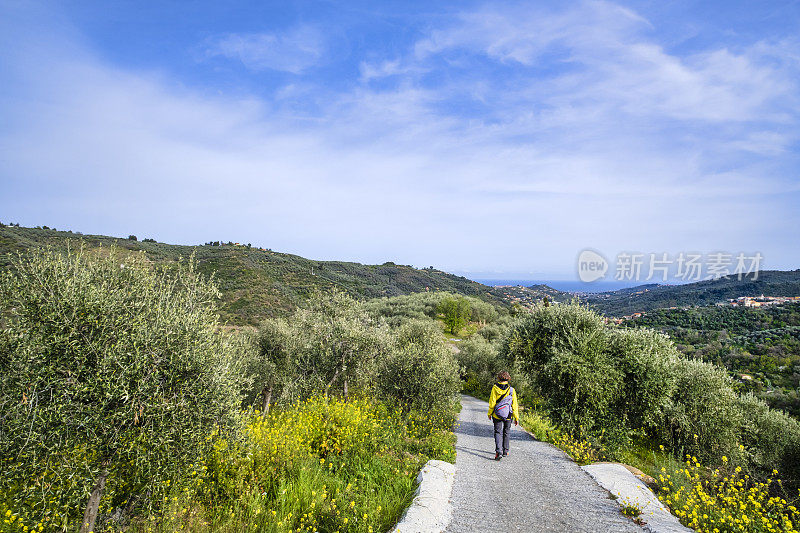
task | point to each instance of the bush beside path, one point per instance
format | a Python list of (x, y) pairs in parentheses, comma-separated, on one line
[(536, 488)]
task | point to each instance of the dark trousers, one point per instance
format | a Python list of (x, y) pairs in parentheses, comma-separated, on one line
[(502, 428)]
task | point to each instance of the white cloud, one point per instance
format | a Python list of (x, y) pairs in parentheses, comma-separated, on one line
[(383, 69), (294, 50)]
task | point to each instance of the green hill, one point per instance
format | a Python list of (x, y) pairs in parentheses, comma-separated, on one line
[(257, 283), (648, 297)]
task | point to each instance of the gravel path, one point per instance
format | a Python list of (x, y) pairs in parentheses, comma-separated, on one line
[(536, 488)]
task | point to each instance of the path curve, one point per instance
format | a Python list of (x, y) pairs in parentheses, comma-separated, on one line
[(536, 488)]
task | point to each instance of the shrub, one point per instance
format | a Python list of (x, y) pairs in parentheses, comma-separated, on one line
[(492, 332), (606, 383), (771, 439), (482, 312), (646, 359), (564, 349), (268, 372), (478, 356), (398, 309), (421, 372), (703, 415), (581, 387), (538, 336), (113, 375)]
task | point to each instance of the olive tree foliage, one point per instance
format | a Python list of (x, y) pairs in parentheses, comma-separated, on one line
[(334, 345), (771, 439), (113, 375), (339, 343), (329, 346), (267, 365), (703, 416), (594, 379), (647, 361), (421, 371), (563, 351), (398, 309), (482, 312), (479, 358)]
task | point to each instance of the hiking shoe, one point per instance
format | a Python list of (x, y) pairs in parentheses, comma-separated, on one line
[(497, 457), (505, 454)]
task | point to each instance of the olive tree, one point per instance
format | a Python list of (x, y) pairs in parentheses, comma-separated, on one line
[(270, 364), (482, 312), (337, 344), (564, 351), (421, 371), (114, 374)]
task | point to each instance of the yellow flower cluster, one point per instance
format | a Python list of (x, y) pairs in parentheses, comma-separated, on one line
[(630, 508), (726, 500), (14, 523), (580, 450)]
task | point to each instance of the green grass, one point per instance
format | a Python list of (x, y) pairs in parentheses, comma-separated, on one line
[(539, 425)]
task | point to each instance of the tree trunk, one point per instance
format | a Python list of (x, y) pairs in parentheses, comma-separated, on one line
[(327, 388), (344, 370), (93, 506), (267, 399)]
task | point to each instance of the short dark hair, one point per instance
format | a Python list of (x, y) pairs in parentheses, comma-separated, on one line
[(503, 376)]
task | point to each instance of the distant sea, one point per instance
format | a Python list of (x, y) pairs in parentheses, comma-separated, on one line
[(564, 285)]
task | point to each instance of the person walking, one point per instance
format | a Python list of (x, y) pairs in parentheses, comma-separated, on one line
[(503, 408)]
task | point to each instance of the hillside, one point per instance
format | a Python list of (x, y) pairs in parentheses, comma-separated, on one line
[(648, 297), (258, 283), (528, 296)]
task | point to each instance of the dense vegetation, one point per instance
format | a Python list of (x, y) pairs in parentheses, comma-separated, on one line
[(648, 297), (255, 283), (759, 346), (124, 403), (615, 386)]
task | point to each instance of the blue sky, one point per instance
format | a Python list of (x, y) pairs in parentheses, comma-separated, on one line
[(497, 139)]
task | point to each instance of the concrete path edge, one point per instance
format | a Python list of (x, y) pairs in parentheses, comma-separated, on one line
[(430, 510), (626, 487)]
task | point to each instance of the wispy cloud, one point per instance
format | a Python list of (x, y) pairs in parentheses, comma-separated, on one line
[(601, 55), (383, 69), (294, 50)]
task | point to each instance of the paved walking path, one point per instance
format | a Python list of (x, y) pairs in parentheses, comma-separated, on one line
[(536, 488)]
